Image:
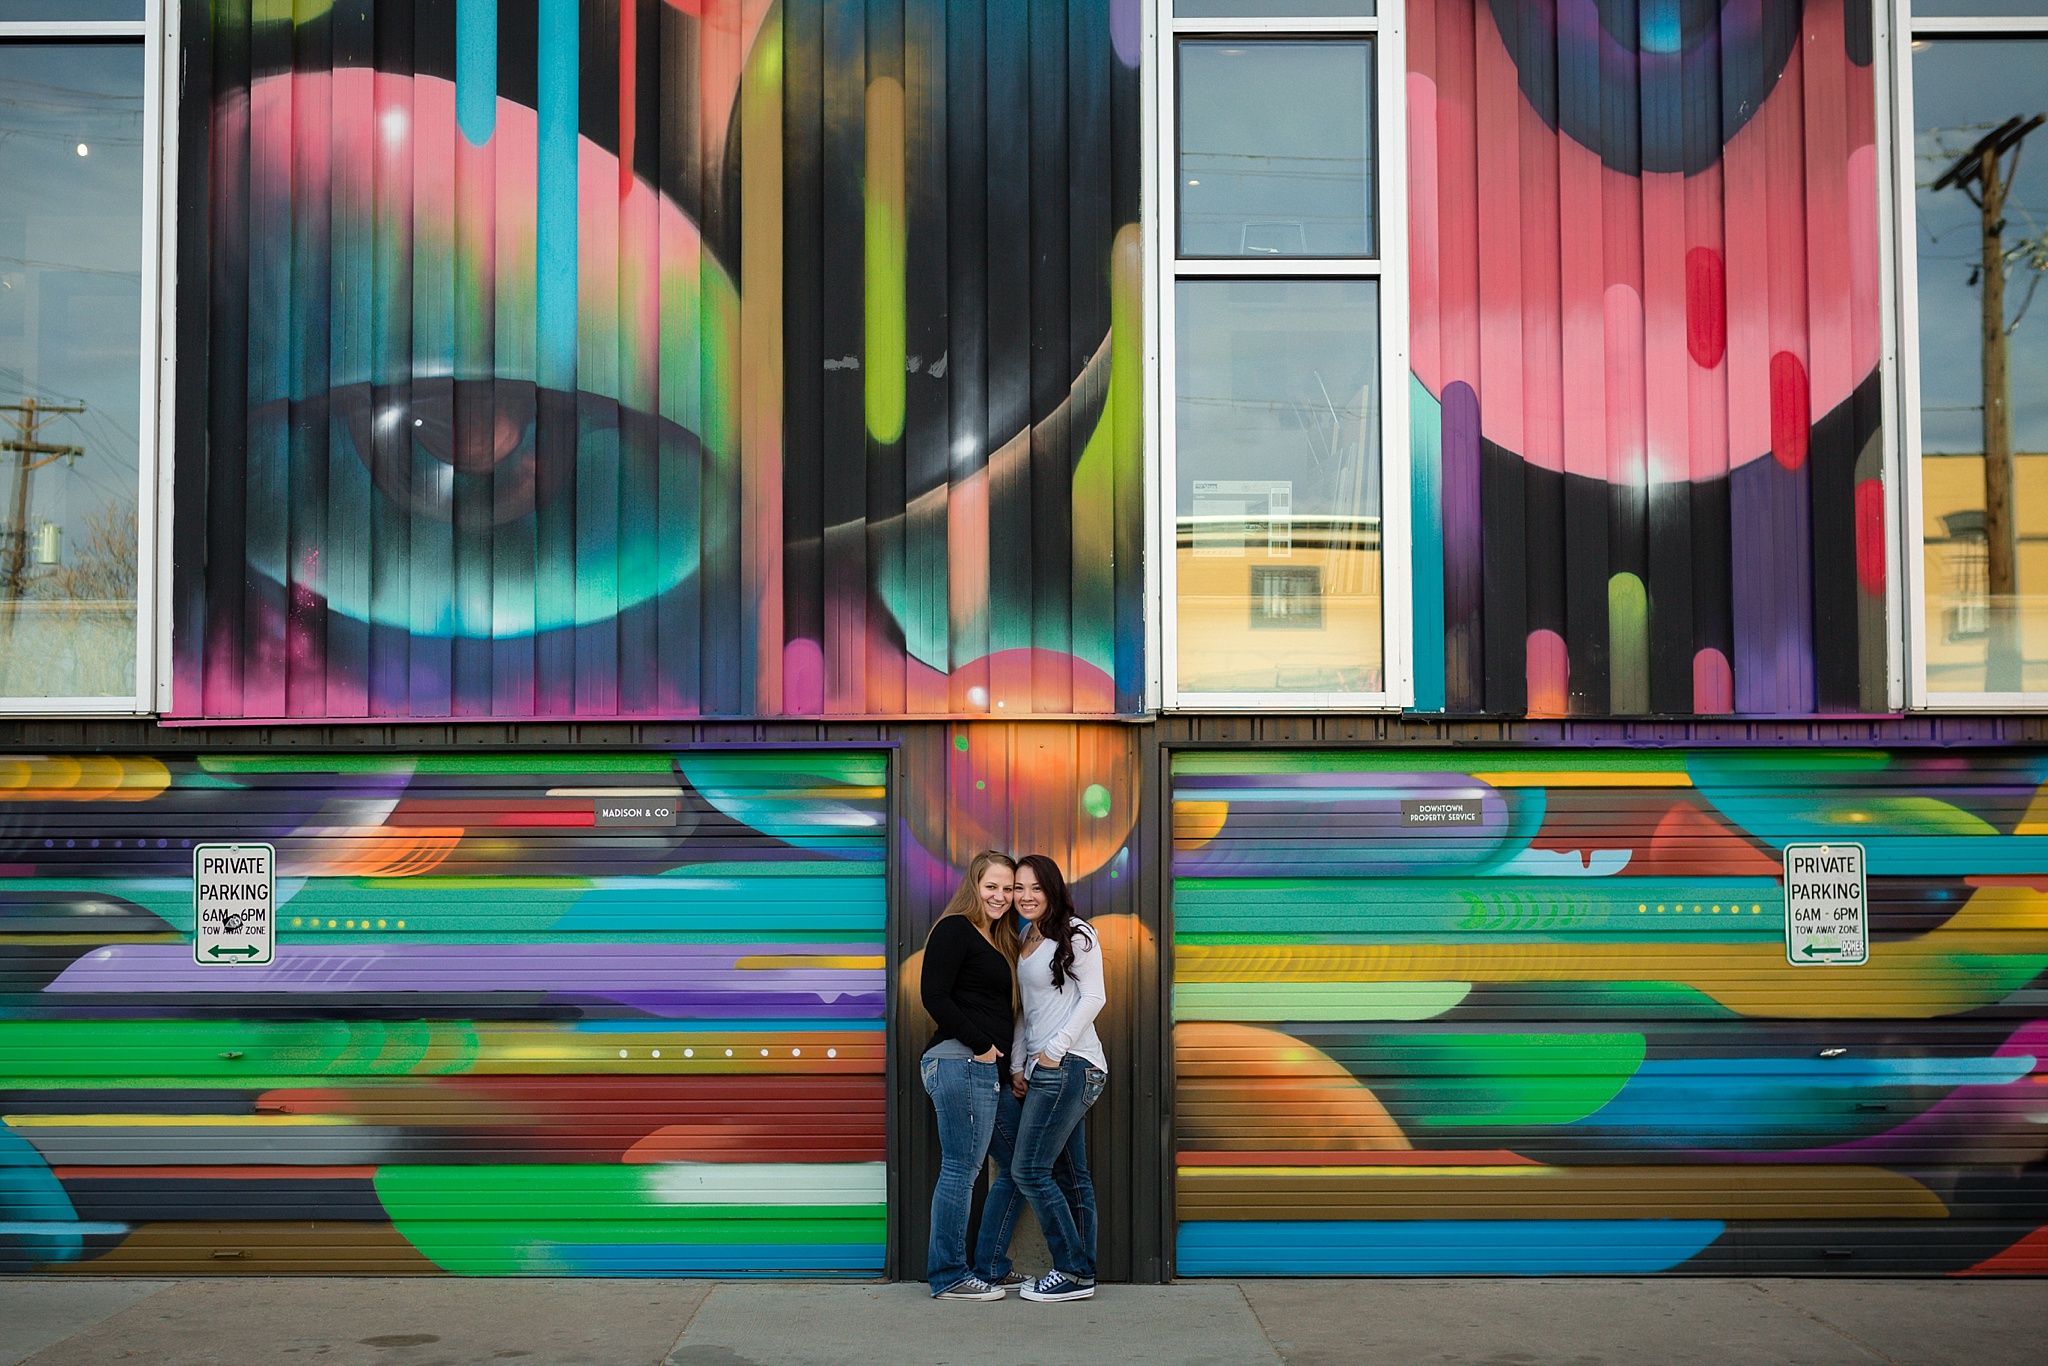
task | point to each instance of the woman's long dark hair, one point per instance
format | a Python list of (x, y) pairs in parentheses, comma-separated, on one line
[(1060, 922)]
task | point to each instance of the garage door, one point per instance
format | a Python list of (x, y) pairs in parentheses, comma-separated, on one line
[(1519, 1012), (565, 1015)]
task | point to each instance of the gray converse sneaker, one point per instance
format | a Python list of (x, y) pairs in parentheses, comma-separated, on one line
[(973, 1288), (1013, 1278), (1056, 1286)]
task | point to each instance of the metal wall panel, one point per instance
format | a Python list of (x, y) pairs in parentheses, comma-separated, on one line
[(1080, 793), (659, 358), (1562, 1035), (497, 1037)]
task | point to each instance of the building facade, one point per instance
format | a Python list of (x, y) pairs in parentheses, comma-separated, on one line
[(1417, 506)]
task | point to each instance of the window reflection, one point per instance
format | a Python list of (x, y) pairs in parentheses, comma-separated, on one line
[(1988, 9), (70, 11), (71, 143), (1278, 505), (1982, 215), (1272, 9), (1276, 148)]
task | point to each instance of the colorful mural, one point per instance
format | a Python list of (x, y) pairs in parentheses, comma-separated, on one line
[(665, 358), (1559, 1034), (499, 1036), (1645, 419)]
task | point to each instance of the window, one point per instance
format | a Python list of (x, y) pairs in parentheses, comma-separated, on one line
[(78, 280), (1973, 206), (1283, 354)]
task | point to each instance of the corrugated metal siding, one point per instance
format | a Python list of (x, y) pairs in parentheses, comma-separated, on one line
[(621, 358), (1565, 1038), (496, 1039)]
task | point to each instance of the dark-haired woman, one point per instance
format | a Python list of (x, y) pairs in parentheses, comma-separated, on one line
[(1057, 1069), (967, 989)]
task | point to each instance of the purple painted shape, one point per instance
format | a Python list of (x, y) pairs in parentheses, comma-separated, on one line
[(753, 1005), (1464, 662), (1982, 1125), (691, 979), (1771, 552), (1126, 31)]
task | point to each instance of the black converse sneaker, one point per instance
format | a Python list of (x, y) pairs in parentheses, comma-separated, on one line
[(1056, 1286), (973, 1288)]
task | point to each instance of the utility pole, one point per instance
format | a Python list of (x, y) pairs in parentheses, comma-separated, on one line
[(1983, 175), (29, 418)]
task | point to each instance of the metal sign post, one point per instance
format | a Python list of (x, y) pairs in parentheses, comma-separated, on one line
[(234, 904)]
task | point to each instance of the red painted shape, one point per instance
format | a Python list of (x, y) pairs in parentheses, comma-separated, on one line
[(459, 811), (1791, 410), (1549, 669), (1713, 683), (1870, 536), (2027, 1257), (760, 1141), (629, 95), (1693, 842), (1706, 307)]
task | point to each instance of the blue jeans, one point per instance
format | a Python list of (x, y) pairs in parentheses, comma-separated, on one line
[(963, 1094), (1041, 1152)]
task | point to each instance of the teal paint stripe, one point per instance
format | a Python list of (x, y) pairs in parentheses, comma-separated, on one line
[(476, 69), (1426, 522), (555, 210)]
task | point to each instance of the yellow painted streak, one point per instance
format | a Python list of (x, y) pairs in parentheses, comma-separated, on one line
[(103, 937), (175, 1121), (82, 778), (783, 962), (1617, 778), (885, 334), (1789, 1191), (1909, 979)]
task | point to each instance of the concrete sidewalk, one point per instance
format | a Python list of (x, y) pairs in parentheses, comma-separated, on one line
[(1199, 1323)]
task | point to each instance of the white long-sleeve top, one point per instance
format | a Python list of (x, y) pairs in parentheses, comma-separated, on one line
[(1057, 1021)]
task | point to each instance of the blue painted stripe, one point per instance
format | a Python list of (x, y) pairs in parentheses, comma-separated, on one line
[(1441, 1247), (1426, 523), (476, 69), (555, 215), (726, 1026)]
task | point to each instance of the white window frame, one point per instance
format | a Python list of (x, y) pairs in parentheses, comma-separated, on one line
[(1389, 268), (1896, 52), (158, 31)]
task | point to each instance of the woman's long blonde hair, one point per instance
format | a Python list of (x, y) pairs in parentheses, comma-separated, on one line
[(967, 901)]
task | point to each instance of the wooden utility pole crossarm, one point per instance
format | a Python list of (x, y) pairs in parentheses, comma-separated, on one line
[(29, 417)]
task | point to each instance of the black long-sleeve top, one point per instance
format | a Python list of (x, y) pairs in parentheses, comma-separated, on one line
[(966, 986)]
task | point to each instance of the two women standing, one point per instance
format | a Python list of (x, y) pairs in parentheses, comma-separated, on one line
[(1013, 1066)]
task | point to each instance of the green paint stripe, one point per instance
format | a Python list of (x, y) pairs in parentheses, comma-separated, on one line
[(1316, 1000)]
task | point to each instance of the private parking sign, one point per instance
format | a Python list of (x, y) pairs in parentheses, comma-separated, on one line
[(1827, 922), (234, 904)]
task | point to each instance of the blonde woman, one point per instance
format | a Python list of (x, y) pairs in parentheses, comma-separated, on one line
[(969, 988)]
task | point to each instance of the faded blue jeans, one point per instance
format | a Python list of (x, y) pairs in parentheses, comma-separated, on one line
[(1041, 1152), (963, 1094)]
